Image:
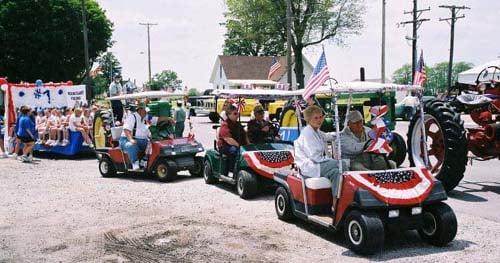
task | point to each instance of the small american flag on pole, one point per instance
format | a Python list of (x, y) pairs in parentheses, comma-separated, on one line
[(275, 65), (420, 76), (319, 76)]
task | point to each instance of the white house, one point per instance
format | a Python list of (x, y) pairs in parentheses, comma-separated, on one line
[(233, 72)]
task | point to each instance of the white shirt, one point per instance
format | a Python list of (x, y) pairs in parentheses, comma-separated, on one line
[(141, 131), (410, 101), (72, 120), (311, 149)]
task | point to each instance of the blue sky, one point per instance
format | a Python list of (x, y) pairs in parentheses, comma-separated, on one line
[(188, 37)]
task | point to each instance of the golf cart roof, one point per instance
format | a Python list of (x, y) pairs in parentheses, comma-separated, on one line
[(253, 92), (358, 87), (147, 94)]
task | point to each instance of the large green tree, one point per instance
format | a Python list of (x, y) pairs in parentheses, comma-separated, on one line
[(43, 39), (313, 21), (165, 79)]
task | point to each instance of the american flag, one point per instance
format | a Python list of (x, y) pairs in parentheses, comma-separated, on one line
[(420, 75), (275, 65), (319, 76)]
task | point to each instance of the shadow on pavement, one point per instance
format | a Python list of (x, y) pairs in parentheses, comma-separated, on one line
[(55, 156), (397, 244), (466, 188), (266, 194), (146, 177)]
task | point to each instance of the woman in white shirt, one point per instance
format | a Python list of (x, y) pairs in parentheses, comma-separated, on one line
[(76, 124), (311, 150), (41, 125)]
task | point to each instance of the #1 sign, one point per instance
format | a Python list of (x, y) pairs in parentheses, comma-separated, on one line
[(48, 96)]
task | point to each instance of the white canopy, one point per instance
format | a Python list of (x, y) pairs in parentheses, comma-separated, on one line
[(359, 87), (253, 92), (147, 94), (470, 76)]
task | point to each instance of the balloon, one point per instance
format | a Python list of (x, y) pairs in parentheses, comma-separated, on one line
[(3, 81), (69, 83), (38, 83)]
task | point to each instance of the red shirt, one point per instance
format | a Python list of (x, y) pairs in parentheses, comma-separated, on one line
[(224, 132)]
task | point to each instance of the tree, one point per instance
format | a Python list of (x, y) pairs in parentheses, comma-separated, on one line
[(193, 92), (314, 21), (258, 38), (108, 67), (436, 76), (165, 79), (43, 39), (402, 75)]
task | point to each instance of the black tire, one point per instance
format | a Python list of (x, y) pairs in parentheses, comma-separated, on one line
[(198, 168), (278, 114), (452, 169), (398, 146), (164, 172), (208, 174), (246, 184), (282, 204), (192, 112), (440, 224), (106, 167), (214, 117), (364, 233)]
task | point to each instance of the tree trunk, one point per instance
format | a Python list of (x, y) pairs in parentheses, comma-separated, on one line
[(299, 66)]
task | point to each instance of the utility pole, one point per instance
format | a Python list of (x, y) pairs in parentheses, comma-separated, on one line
[(416, 22), (454, 11), (289, 41), (86, 50), (382, 75), (149, 25)]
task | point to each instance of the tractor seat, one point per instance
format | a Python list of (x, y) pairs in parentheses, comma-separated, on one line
[(473, 100), (316, 183)]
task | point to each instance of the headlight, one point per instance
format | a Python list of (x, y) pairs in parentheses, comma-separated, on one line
[(393, 213), (416, 210)]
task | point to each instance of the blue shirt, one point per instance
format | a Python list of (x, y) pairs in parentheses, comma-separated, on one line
[(25, 125)]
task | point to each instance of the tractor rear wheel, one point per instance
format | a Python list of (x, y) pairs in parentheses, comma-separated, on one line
[(447, 154)]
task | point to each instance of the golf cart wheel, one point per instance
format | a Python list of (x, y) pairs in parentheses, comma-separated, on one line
[(214, 117), (208, 174), (246, 184), (106, 167), (398, 146), (447, 154), (282, 204), (440, 225), (163, 172), (197, 169), (364, 233)]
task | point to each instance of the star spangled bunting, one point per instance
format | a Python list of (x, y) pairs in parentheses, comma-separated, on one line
[(320, 75), (240, 104), (420, 76), (379, 146), (379, 111), (275, 65)]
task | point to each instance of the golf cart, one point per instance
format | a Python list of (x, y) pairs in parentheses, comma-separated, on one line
[(165, 157), (368, 202), (254, 165)]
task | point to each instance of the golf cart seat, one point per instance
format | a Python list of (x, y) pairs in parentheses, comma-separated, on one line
[(316, 183), (473, 100)]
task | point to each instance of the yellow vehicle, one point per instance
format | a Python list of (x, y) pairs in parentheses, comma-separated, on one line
[(273, 107)]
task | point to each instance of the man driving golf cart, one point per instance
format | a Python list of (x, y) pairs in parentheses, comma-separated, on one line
[(259, 130), (135, 136), (354, 140)]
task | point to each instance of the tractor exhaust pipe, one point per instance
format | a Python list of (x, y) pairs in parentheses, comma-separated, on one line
[(362, 74), (492, 131)]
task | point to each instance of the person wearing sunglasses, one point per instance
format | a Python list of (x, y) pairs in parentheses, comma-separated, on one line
[(311, 150), (231, 134)]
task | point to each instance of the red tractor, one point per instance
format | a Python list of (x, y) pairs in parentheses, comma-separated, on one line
[(448, 142)]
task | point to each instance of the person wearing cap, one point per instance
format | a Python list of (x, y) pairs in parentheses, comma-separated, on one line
[(259, 130), (134, 138), (115, 89), (179, 118), (311, 151), (354, 140)]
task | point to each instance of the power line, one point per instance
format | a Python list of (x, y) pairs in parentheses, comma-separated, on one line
[(416, 23), (149, 25), (452, 20)]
